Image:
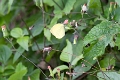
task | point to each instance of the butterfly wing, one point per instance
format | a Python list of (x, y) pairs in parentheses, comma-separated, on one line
[(58, 30)]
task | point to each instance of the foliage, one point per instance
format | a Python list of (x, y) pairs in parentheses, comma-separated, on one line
[(59, 39)]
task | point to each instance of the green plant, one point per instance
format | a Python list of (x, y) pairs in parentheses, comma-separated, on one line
[(32, 48)]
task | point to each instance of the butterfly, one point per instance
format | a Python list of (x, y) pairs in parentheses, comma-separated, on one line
[(58, 30)]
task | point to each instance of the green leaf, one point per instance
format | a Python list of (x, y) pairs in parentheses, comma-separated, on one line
[(38, 27), (105, 29), (117, 16), (9, 5), (78, 48), (5, 53), (3, 7), (20, 71), (94, 6), (108, 76), (67, 52), (35, 75), (23, 42), (16, 32), (69, 6), (61, 67), (3, 78), (108, 60), (117, 42), (18, 53), (74, 62), (37, 2), (49, 2), (47, 34)]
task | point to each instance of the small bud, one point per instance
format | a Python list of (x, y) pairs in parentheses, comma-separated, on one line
[(58, 71), (49, 67), (29, 78), (4, 30), (110, 8), (30, 28), (51, 72), (65, 22), (71, 74), (3, 27), (83, 65), (75, 39), (84, 8), (48, 49)]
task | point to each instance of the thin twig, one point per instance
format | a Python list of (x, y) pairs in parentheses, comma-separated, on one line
[(30, 33), (26, 57), (102, 7)]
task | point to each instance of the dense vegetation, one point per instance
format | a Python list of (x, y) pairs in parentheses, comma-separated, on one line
[(59, 39)]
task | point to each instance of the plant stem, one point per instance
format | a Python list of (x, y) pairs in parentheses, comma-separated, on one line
[(102, 7), (26, 57), (30, 33), (70, 71)]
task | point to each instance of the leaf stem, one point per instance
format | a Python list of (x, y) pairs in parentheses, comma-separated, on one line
[(102, 7)]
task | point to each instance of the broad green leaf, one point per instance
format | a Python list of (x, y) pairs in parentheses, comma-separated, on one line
[(35, 75), (61, 67), (67, 52), (5, 53), (18, 53), (20, 71), (74, 62), (105, 29), (108, 76), (47, 34), (78, 48), (16, 32), (23, 42), (94, 6), (118, 2), (117, 42), (98, 37), (69, 6)]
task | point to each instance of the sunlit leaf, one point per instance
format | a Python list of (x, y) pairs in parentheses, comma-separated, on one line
[(16, 32), (47, 33), (10, 4), (23, 42), (74, 62), (67, 52)]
